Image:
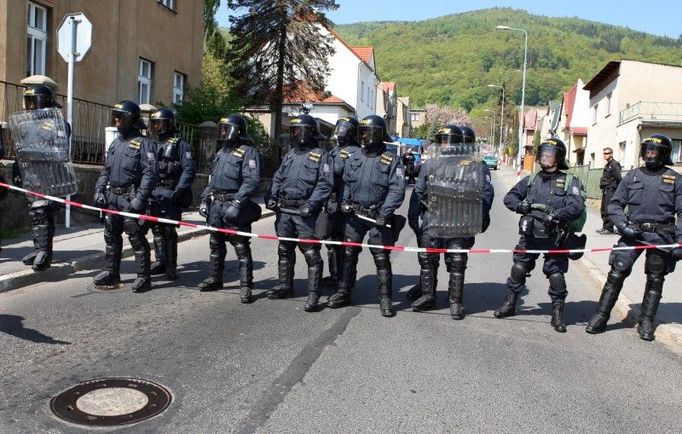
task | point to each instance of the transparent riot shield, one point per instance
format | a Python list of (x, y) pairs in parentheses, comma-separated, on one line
[(42, 145), (455, 196)]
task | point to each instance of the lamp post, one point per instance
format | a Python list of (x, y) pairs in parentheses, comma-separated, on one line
[(523, 95), (492, 126), (501, 117)]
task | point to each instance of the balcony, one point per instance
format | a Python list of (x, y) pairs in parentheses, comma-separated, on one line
[(661, 112)]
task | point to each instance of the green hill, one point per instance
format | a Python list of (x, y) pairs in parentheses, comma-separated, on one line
[(450, 60)]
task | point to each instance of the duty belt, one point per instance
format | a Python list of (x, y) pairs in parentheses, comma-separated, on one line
[(292, 203), (167, 183), (121, 189), (223, 197), (661, 228), (371, 212)]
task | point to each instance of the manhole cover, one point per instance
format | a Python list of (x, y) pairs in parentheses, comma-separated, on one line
[(110, 402)]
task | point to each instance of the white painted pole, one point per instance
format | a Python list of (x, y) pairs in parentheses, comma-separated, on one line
[(73, 23)]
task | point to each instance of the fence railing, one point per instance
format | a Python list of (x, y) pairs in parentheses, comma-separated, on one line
[(590, 179), (651, 110)]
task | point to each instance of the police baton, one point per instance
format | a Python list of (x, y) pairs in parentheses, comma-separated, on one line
[(368, 219)]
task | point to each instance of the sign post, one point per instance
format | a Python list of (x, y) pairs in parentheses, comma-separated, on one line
[(74, 37)]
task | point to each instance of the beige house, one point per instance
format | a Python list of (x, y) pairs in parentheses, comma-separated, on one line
[(630, 100), (417, 117), (387, 105), (403, 124), (573, 122), (149, 51)]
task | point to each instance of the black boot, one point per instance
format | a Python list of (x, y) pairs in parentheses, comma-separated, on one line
[(216, 263), (558, 316), (609, 296), (159, 265), (314, 261), (509, 306), (428, 298), (415, 292), (652, 297), (342, 296), (285, 271), (111, 275), (333, 259), (455, 295), (171, 251), (143, 282), (385, 277), (243, 251)]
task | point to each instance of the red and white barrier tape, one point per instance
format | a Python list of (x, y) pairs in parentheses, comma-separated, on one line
[(330, 242)]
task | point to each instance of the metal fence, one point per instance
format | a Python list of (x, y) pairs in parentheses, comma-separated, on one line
[(652, 110), (590, 179)]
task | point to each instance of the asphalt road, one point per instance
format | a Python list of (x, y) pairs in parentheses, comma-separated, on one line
[(271, 367)]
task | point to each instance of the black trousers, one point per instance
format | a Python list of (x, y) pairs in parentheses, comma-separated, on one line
[(607, 195)]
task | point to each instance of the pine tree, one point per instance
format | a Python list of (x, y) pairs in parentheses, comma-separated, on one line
[(276, 44)]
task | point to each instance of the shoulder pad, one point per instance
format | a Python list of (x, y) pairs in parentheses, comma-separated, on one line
[(135, 144), (670, 177), (174, 140), (314, 156), (344, 154), (387, 158), (239, 152)]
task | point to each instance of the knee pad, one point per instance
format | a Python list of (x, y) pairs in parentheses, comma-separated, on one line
[(456, 261), (382, 261), (157, 231), (285, 248), (38, 216), (519, 272), (216, 242), (312, 257), (131, 226), (557, 282), (655, 264), (169, 232), (242, 249), (621, 262), (425, 260)]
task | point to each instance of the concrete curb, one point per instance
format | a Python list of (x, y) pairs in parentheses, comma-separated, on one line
[(61, 270)]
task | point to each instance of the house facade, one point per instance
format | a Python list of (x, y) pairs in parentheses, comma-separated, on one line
[(573, 122), (630, 100)]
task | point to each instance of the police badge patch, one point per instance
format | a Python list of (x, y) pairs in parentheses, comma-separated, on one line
[(252, 163), (576, 190), (188, 155), (399, 171), (151, 156), (325, 168)]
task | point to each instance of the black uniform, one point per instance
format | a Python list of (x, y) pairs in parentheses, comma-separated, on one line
[(331, 222), (375, 188), (608, 184), (303, 181), (409, 161), (234, 181), (127, 180), (455, 262), (567, 204), (172, 193)]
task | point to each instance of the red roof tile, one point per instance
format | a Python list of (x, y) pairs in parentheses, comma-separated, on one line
[(301, 92), (388, 86), (364, 53), (578, 131), (569, 103)]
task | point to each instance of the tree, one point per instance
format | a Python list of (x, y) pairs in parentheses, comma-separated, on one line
[(277, 44), (437, 116)]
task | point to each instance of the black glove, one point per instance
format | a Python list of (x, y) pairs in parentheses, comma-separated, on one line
[(381, 221), (272, 204), (137, 205), (17, 181), (676, 253), (203, 209), (629, 232), (100, 199), (306, 211), (523, 207), (550, 219), (232, 211), (346, 208)]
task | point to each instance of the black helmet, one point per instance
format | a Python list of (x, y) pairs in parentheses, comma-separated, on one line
[(662, 145), (233, 128), (39, 96), (558, 148), (449, 140), (304, 131), (346, 131), (162, 124), (127, 115), (469, 134), (373, 132)]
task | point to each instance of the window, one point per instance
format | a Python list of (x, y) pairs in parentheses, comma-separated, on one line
[(36, 39), (362, 90), (144, 82), (608, 104), (170, 4), (178, 87), (594, 114), (414, 116), (675, 155)]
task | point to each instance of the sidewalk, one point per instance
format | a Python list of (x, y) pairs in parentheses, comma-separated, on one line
[(596, 266), (76, 249)]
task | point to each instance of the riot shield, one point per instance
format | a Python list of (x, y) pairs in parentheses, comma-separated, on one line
[(455, 196), (43, 151)]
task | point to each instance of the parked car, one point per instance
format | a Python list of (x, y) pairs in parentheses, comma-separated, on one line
[(491, 161)]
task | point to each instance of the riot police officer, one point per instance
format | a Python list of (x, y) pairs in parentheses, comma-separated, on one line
[(173, 191), (458, 152), (41, 211), (546, 201), (300, 188), (375, 188), (226, 203), (331, 221), (653, 197), (126, 183)]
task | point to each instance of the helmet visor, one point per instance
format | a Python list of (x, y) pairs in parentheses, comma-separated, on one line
[(344, 132), (651, 152), (301, 134), (159, 127), (35, 102), (547, 156), (371, 134), (228, 132)]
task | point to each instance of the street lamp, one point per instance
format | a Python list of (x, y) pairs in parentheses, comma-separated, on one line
[(492, 126), (523, 94), (501, 117)]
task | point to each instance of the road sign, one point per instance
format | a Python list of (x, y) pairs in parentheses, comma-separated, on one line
[(83, 35)]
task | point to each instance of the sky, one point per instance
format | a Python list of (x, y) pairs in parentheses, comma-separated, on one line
[(658, 17)]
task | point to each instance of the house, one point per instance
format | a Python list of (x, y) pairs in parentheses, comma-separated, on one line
[(403, 123), (149, 51), (417, 117), (630, 100), (387, 105), (550, 121), (531, 122), (573, 122)]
